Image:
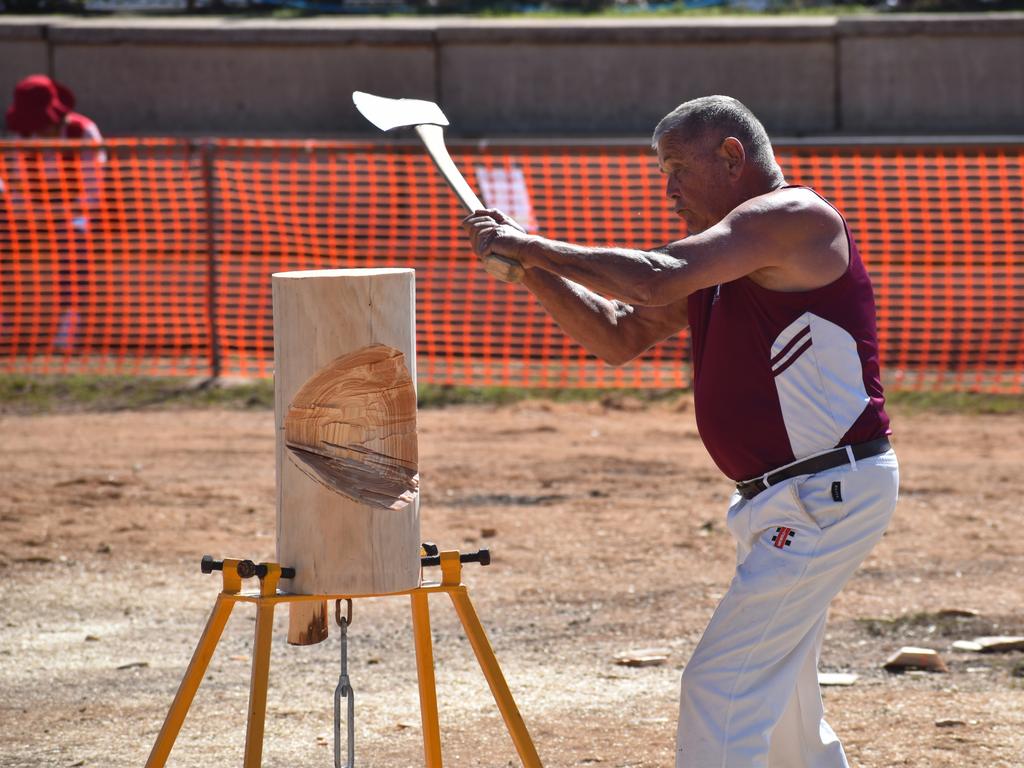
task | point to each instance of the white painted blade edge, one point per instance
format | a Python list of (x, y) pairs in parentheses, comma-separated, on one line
[(397, 113)]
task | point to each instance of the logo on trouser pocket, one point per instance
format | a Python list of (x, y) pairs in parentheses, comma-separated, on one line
[(783, 537)]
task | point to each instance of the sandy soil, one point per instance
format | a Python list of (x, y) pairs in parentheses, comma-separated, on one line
[(606, 522)]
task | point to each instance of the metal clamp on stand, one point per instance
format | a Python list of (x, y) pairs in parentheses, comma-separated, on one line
[(236, 570), (246, 568), (433, 557), (451, 562)]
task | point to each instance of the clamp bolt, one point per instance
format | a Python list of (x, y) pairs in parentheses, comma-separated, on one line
[(482, 556), (246, 568)]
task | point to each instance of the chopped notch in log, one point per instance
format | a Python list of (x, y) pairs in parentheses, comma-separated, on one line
[(352, 427)]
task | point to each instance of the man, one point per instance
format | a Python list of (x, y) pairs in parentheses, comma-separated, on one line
[(67, 182), (788, 403)]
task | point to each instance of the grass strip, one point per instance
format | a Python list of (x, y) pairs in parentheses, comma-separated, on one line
[(28, 395)]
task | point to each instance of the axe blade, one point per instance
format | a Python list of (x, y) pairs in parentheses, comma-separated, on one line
[(428, 120), (397, 113)]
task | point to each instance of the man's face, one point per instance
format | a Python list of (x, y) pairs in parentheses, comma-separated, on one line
[(697, 181)]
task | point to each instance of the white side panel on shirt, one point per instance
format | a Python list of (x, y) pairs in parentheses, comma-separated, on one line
[(819, 381)]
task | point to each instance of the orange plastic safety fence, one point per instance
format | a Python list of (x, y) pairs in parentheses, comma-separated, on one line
[(155, 256), (104, 261), (942, 233)]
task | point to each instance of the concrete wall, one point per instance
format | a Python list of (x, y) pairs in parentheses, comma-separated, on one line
[(236, 78), (23, 51), (611, 80), (940, 75), (802, 76)]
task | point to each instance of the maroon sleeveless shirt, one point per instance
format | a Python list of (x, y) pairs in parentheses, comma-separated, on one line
[(780, 376)]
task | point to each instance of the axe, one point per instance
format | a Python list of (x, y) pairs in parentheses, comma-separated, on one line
[(429, 121)]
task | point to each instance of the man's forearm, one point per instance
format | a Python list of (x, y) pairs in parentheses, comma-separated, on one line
[(591, 320), (624, 273)]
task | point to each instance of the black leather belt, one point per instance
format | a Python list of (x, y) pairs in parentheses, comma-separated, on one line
[(750, 488)]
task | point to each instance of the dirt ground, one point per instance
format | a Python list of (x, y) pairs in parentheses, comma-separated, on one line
[(606, 524)]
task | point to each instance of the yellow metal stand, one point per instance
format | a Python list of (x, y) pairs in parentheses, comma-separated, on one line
[(269, 597)]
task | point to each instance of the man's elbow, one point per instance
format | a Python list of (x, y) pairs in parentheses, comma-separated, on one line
[(616, 359), (620, 352)]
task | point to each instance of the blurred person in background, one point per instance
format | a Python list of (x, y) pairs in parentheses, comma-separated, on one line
[(67, 184)]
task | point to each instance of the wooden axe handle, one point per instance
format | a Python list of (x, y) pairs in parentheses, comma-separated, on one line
[(432, 136)]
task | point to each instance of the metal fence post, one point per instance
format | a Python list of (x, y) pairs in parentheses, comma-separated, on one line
[(208, 156)]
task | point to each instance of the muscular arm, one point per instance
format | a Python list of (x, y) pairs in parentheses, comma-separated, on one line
[(783, 240), (612, 330)]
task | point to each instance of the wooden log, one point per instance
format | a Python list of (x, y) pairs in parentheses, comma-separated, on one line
[(347, 488)]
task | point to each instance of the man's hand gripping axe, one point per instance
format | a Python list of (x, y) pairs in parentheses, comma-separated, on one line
[(429, 121)]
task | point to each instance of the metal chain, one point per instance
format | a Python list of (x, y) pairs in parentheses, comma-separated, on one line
[(344, 690)]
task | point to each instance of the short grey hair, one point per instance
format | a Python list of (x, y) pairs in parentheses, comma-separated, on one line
[(720, 117)]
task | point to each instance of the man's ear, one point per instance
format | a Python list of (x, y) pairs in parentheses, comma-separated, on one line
[(733, 153)]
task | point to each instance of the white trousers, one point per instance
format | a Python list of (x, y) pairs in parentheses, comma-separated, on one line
[(750, 695)]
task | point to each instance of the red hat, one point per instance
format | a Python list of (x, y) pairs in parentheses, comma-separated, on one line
[(38, 102)]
